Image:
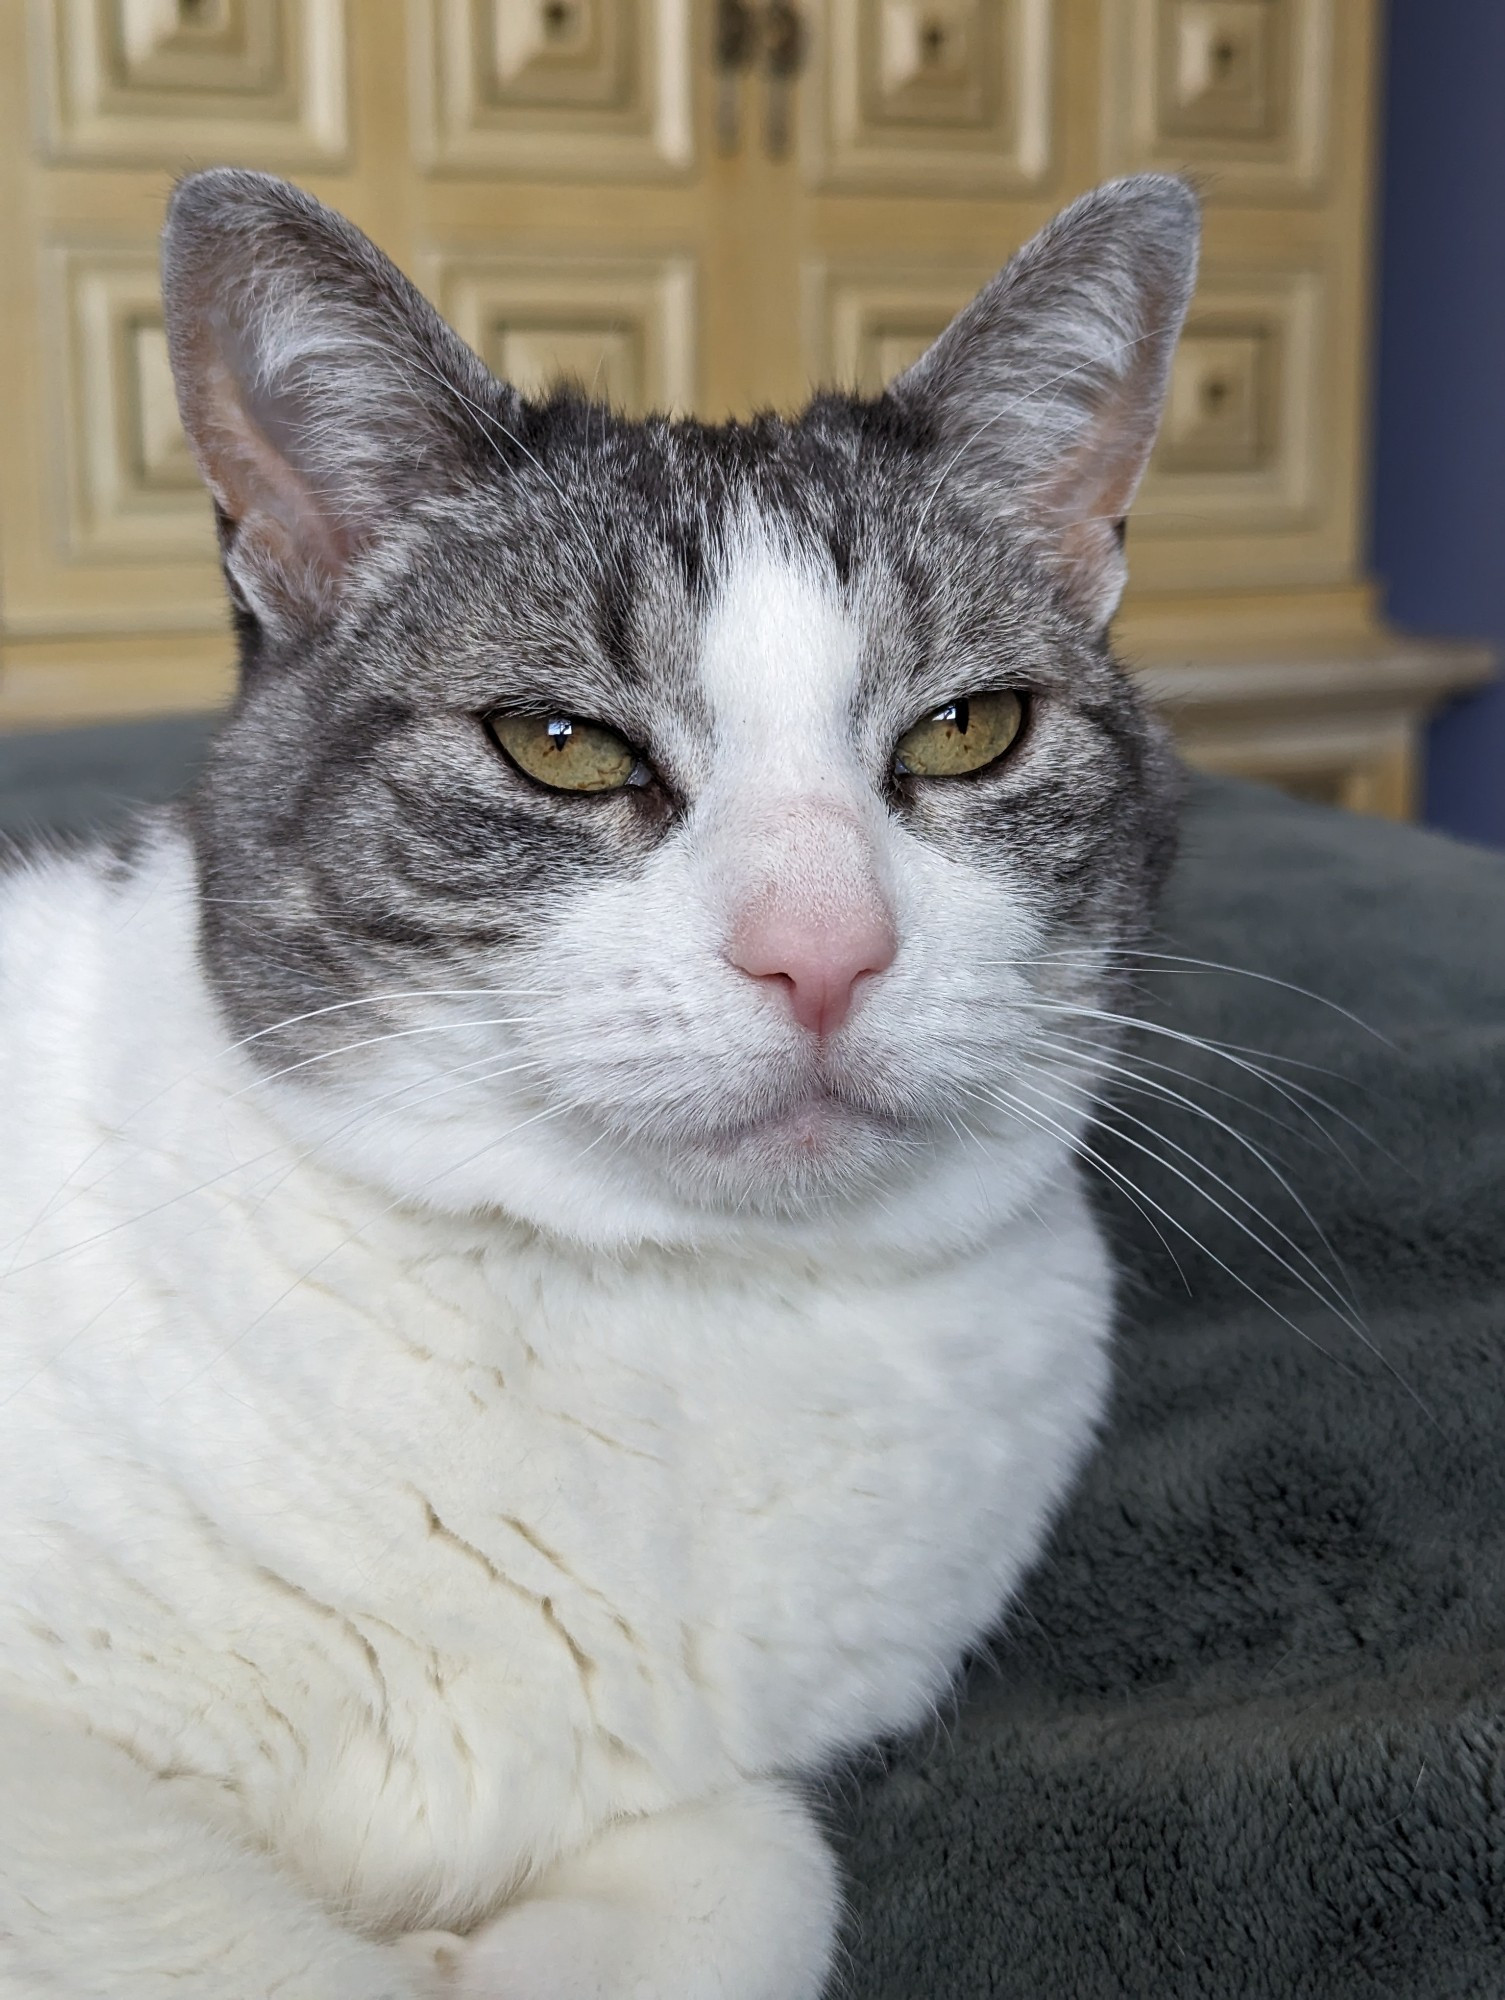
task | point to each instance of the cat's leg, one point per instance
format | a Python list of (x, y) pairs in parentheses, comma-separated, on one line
[(112, 1889), (731, 1899)]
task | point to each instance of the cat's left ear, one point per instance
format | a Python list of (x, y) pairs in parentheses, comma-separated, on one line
[(1042, 398)]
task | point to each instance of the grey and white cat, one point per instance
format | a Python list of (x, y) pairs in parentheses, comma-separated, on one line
[(547, 1292)]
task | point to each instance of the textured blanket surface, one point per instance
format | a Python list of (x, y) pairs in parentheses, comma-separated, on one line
[(1245, 1735)]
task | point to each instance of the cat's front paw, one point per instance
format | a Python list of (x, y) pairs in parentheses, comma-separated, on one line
[(549, 1948)]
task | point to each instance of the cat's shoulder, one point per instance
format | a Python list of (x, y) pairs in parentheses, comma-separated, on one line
[(55, 884)]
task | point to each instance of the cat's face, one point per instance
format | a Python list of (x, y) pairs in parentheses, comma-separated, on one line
[(654, 826)]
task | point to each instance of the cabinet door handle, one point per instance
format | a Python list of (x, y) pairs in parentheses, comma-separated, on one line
[(736, 48), (786, 43)]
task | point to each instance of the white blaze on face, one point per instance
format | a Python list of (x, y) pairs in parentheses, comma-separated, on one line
[(792, 830)]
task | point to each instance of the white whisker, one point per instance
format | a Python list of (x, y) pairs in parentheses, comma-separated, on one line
[(1142, 1062), (1236, 1053), (1163, 1092), (380, 1041), (1172, 961), (1326, 1298)]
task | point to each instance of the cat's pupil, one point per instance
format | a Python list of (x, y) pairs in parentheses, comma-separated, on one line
[(958, 714), (560, 730)]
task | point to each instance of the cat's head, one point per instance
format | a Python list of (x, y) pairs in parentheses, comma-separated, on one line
[(645, 827)]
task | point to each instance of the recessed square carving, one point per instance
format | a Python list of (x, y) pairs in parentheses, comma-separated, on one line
[(599, 355), (565, 88), (557, 54), (621, 329), (937, 96), (150, 82), (933, 62), (132, 488), (1221, 65), (1242, 86), (150, 441), (889, 343), (864, 323), (1221, 410), (1240, 446), (153, 45)]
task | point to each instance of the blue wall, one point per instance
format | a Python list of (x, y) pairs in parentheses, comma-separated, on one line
[(1439, 504)]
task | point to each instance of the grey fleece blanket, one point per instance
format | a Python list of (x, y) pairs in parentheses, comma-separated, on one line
[(1245, 1735)]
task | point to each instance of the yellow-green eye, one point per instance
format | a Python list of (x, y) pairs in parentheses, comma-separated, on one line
[(563, 751), (966, 735)]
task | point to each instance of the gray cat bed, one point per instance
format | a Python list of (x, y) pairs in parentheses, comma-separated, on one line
[(1245, 1735)]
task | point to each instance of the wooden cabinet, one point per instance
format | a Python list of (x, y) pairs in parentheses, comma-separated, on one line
[(588, 187)]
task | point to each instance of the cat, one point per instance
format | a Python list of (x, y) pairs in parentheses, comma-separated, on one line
[(547, 1289)]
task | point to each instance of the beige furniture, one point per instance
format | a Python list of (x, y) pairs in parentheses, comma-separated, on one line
[(708, 207)]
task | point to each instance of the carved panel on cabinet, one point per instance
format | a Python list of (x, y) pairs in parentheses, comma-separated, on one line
[(866, 322), (933, 62), (932, 96), (132, 489), (564, 88), (621, 329), (557, 53), (1220, 413), (1242, 86), (1241, 443), (1220, 66), (150, 82)]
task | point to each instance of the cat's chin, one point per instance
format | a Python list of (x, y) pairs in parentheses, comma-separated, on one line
[(798, 1158)]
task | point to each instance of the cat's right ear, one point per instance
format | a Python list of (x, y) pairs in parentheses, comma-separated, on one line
[(1042, 397), (321, 393)]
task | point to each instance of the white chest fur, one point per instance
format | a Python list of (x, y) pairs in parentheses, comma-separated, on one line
[(422, 1546)]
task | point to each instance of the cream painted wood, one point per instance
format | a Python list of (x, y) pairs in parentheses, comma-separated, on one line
[(564, 88), (1240, 89), (952, 96), (548, 170), (127, 81), (131, 483), (623, 329), (1243, 467), (866, 320), (1241, 477), (1333, 721)]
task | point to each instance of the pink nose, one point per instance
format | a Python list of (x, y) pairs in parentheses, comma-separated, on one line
[(818, 968)]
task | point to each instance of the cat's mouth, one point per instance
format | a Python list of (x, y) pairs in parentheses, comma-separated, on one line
[(812, 1147), (818, 1122)]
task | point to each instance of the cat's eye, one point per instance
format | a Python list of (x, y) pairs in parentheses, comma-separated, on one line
[(966, 735), (566, 753)]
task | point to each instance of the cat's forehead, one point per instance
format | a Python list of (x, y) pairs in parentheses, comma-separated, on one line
[(778, 665), (744, 580)]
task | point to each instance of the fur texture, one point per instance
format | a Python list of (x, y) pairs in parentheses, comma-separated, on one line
[(490, 1397)]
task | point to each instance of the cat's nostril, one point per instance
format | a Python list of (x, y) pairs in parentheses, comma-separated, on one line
[(818, 971)]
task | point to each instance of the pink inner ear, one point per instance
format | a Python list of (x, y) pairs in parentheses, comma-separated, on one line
[(1086, 497), (1097, 481), (258, 487)]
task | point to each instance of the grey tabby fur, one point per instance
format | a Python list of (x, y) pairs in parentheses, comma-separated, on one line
[(464, 550)]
